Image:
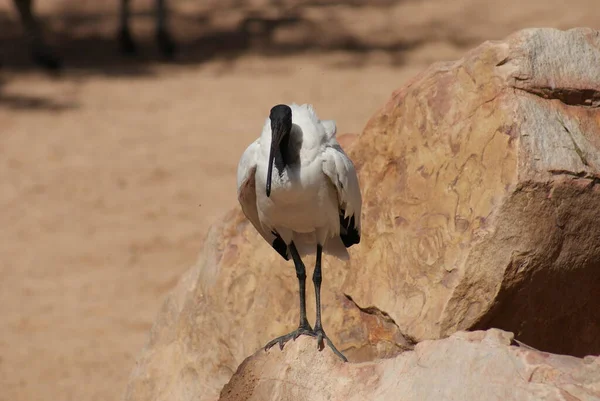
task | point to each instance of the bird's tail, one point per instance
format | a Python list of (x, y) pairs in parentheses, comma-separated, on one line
[(306, 245), (335, 247)]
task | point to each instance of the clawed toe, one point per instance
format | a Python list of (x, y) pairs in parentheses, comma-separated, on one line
[(301, 331), (306, 331), (320, 333), (320, 345)]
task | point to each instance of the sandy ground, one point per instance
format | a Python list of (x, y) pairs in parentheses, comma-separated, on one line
[(111, 173)]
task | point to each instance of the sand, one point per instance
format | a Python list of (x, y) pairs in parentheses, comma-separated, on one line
[(111, 173)]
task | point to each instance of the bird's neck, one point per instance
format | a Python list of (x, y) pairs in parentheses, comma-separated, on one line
[(281, 156)]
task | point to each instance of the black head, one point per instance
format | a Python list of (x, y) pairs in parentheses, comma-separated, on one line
[(281, 113), (281, 126)]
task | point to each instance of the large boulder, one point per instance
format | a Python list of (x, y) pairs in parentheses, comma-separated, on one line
[(481, 204), (236, 298), (479, 365), (480, 177)]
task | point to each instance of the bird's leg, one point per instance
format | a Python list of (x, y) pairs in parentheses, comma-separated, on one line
[(318, 326), (304, 327), (301, 274)]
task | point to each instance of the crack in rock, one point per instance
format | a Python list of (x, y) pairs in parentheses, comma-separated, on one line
[(595, 179), (568, 96), (380, 314), (516, 343), (575, 145)]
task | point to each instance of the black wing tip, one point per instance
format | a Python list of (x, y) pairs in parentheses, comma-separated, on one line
[(280, 246), (350, 239), (348, 231)]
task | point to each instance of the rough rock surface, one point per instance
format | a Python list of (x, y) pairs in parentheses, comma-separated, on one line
[(481, 205), (481, 178), (478, 365)]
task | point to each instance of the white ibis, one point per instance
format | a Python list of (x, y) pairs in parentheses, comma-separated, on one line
[(300, 191)]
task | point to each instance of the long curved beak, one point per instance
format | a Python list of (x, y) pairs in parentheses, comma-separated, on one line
[(276, 135), (271, 160), (281, 125)]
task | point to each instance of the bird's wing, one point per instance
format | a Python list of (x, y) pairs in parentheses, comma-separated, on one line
[(246, 189), (330, 129), (340, 170)]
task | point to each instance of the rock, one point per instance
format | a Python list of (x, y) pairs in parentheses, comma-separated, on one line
[(465, 366), (229, 305), (481, 204), (480, 181)]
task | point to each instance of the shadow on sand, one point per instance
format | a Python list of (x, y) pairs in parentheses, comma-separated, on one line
[(86, 42)]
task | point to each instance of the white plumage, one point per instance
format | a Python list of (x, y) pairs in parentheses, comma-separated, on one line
[(300, 191), (308, 196)]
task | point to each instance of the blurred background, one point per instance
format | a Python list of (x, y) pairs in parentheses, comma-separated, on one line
[(112, 169)]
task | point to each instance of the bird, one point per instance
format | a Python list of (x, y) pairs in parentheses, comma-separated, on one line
[(300, 191)]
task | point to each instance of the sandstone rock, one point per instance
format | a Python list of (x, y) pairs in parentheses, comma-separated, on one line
[(479, 365), (236, 298), (480, 177), (481, 204)]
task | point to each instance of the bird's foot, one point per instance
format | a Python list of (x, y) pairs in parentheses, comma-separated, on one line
[(320, 333), (304, 330)]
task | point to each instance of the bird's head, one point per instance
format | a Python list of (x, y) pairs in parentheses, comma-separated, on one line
[(281, 125)]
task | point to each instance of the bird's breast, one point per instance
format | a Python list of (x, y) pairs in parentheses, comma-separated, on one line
[(294, 183), (300, 199)]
